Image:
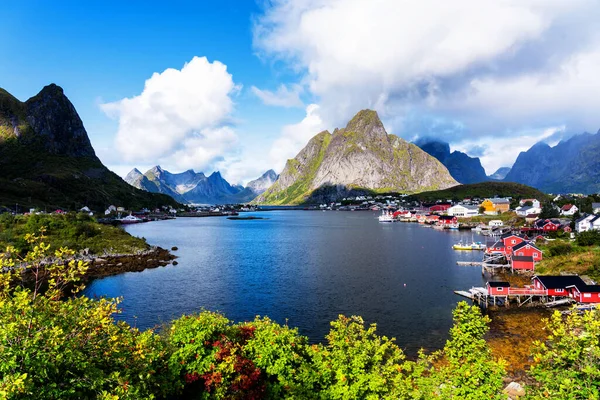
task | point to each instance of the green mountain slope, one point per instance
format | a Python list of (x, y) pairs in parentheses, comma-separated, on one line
[(361, 156), (482, 190), (47, 160)]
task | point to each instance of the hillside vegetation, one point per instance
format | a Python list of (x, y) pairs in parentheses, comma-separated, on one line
[(75, 231), (47, 160), (482, 190)]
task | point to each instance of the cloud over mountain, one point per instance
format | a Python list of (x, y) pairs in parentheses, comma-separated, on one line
[(181, 118), (456, 70)]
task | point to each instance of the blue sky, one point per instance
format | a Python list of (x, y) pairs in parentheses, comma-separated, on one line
[(278, 72)]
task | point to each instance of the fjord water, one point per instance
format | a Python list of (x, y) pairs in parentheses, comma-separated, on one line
[(304, 268)]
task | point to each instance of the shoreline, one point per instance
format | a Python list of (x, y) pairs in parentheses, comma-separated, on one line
[(115, 264)]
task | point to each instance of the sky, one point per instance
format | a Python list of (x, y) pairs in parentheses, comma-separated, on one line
[(240, 86)]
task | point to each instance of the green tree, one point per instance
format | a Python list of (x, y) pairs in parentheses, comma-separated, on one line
[(567, 365), (465, 369), (549, 211)]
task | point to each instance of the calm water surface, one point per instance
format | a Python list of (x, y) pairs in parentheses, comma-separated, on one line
[(303, 267)]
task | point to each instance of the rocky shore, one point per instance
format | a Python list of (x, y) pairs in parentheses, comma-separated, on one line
[(113, 264), (100, 266)]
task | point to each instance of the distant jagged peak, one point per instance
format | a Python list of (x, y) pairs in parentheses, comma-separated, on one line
[(133, 174)]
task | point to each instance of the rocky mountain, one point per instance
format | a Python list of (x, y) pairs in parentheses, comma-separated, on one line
[(359, 157), (46, 158), (265, 181), (463, 168), (197, 188), (572, 166), (500, 173)]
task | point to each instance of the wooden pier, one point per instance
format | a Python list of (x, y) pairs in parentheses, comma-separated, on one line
[(518, 296)]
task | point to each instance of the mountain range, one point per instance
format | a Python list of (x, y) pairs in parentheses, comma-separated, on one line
[(46, 159), (362, 157), (500, 174), (463, 168), (572, 166), (197, 188)]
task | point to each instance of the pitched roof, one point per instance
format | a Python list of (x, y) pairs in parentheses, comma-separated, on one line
[(595, 205), (586, 288), (509, 234), (495, 244), (498, 284), (523, 244), (566, 207), (500, 201), (559, 281), (522, 258)]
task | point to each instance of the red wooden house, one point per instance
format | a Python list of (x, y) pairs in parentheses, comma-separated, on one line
[(547, 225), (527, 249), (432, 218), (447, 220), (556, 285), (498, 288), (442, 207), (510, 240), (584, 293), (522, 263), (495, 247)]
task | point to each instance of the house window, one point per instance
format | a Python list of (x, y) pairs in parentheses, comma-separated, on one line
[(513, 241), (535, 255), (559, 290), (500, 289), (587, 295), (520, 253)]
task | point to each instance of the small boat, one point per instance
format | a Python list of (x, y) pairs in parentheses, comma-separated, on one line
[(130, 219), (472, 246), (453, 226), (386, 216)]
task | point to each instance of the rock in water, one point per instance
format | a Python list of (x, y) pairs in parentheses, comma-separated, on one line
[(361, 157)]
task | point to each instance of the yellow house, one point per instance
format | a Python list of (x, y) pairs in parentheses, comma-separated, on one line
[(495, 206)]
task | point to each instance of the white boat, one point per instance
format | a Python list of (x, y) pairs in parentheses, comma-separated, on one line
[(130, 219), (386, 216)]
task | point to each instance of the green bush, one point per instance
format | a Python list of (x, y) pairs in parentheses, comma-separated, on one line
[(567, 365), (559, 249), (589, 238)]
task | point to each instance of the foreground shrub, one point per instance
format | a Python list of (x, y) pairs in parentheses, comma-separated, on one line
[(53, 349), (465, 369), (567, 365)]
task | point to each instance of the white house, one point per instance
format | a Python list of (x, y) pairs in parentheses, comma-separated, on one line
[(110, 209), (461, 210), (568, 209), (524, 211), (495, 222), (587, 223), (534, 203)]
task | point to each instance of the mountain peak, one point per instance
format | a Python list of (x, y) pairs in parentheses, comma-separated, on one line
[(365, 121)]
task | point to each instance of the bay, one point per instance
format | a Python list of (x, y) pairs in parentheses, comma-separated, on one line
[(303, 268)]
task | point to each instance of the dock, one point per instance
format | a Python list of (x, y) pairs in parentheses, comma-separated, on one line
[(469, 263), (520, 296)]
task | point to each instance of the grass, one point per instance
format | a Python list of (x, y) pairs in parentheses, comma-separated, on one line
[(582, 260), (75, 231)]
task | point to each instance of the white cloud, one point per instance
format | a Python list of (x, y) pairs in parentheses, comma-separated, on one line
[(465, 70), (294, 137), (503, 150), (283, 97), (180, 119)]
